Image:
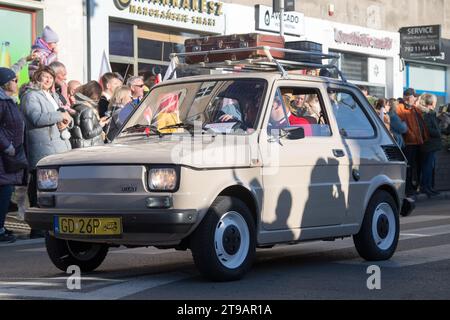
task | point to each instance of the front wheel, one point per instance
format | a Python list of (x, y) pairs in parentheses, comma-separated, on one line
[(65, 253), (378, 238), (224, 245)]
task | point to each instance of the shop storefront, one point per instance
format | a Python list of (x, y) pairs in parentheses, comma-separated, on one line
[(430, 74), (17, 44), (369, 57), (23, 21), (138, 36)]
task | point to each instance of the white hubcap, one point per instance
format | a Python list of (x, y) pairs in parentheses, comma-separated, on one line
[(384, 226), (232, 240)]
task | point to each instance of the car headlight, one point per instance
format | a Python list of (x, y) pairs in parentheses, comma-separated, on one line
[(47, 179), (162, 179)]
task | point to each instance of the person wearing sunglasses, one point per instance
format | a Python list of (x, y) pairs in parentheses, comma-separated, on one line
[(137, 86), (12, 133)]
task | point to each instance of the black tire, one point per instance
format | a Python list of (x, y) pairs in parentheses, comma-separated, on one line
[(379, 242), (231, 257), (64, 253)]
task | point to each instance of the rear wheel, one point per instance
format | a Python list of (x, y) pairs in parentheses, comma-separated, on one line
[(223, 246), (64, 253), (378, 238)]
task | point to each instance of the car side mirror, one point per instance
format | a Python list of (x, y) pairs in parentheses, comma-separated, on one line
[(293, 133)]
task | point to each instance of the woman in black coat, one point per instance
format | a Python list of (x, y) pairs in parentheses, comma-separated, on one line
[(427, 104), (88, 127), (12, 133)]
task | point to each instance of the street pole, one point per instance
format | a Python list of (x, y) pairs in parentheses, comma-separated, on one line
[(282, 18)]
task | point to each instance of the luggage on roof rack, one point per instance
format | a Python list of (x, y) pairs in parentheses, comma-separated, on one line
[(309, 46), (250, 40), (264, 63)]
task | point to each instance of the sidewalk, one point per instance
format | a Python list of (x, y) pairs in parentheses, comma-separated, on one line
[(20, 228), (445, 195)]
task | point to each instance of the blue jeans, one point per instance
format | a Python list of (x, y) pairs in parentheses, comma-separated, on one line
[(5, 197), (428, 161)]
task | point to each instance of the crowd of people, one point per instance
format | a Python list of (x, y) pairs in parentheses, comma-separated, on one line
[(50, 115), (418, 128)]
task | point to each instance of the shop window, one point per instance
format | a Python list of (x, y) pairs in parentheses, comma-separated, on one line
[(170, 47), (121, 39), (16, 36), (124, 69), (354, 66), (377, 92), (150, 49)]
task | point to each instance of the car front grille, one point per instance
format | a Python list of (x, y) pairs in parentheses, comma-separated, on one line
[(393, 153)]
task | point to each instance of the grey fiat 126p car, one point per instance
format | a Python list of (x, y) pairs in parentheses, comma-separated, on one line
[(222, 164)]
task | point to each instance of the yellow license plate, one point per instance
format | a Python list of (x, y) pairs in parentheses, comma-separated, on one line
[(88, 226)]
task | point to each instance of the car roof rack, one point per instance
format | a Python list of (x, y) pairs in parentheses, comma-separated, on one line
[(264, 63)]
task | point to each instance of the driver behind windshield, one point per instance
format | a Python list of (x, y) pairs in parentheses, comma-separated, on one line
[(230, 111)]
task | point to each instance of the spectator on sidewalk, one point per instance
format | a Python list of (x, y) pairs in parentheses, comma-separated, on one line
[(47, 124), (382, 108), (60, 86), (72, 88), (46, 49), (12, 138), (19, 65), (136, 85), (110, 82), (121, 98), (414, 138), (398, 127), (365, 91), (88, 126), (427, 104)]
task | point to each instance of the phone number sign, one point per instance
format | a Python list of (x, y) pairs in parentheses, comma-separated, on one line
[(420, 42)]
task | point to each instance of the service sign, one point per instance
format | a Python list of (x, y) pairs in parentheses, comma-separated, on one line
[(267, 20), (420, 42), (200, 15)]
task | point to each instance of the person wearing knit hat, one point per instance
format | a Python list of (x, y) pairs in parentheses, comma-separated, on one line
[(6, 75), (49, 35), (12, 137), (46, 50)]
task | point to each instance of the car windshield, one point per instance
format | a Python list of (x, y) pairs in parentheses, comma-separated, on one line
[(223, 107)]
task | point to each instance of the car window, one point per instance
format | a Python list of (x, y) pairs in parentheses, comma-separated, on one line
[(227, 107), (300, 107), (351, 119)]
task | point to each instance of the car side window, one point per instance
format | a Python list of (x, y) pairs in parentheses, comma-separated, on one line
[(305, 108), (351, 119)]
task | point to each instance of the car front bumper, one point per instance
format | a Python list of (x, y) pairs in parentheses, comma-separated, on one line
[(146, 227)]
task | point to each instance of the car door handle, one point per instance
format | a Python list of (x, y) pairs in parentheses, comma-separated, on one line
[(338, 153)]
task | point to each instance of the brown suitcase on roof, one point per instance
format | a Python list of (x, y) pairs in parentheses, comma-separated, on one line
[(230, 42)]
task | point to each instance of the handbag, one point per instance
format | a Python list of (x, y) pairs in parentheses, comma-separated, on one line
[(14, 164)]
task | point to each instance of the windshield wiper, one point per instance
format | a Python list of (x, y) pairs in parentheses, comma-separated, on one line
[(188, 126), (141, 129)]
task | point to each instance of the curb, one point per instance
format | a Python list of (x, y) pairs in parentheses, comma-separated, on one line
[(445, 195)]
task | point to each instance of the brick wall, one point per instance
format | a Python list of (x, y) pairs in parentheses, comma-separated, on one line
[(442, 174)]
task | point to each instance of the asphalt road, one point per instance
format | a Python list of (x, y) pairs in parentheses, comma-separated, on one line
[(315, 270)]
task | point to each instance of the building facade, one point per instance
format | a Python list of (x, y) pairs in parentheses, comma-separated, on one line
[(22, 22)]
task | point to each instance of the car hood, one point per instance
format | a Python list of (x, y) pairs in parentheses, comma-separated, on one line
[(196, 152)]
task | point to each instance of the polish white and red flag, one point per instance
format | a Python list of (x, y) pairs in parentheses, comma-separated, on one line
[(169, 104), (105, 67)]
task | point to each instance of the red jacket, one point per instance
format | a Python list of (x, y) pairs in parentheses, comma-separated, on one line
[(417, 132), (301, 122)]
